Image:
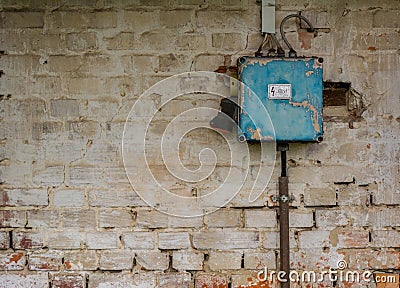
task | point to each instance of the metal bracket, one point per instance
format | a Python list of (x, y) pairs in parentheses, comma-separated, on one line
[(283, 198)]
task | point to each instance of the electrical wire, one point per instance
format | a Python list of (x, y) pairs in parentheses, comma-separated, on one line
[(292, 52), (280, 51), (258, 53), (267, 39)]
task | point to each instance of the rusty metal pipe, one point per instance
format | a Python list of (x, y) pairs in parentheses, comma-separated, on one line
[(284, 229), (284, 246)]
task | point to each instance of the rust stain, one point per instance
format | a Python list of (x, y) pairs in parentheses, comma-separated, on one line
[(15, 258), (307, 105), (68, 265), (305, 39), (26, 242)]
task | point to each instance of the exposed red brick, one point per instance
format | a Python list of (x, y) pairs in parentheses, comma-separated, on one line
[(12, 261), (305, 39), (28, 240), (46, 261), (3, 198), (255, 284), (211, 281), (68, 265), (68, 281), (9, 218)]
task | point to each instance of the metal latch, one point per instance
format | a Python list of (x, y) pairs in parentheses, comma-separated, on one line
[(283, 198)]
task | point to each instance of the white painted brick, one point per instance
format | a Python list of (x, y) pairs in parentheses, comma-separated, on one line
[(173, 240), (23, 20), (187, 260), (12, 261), (151, 219), (79, 218), (115, 218), (102, 240), (326, 219), (24, 280), (350, 238), (140, 20), (320, 197), (171, 280), (67, 280), (152, 260), (10, 218), (353, 196), (118, 197), (28, 239), (270, 239), (27, 197), (69, 198), (226, 239), (116, 260), (64, 108), (386, 238), (50, 175), (4, 240), (225, 260), (367, 259), (81, 41), (45, 261), (180, 222), (122, 280), (260, 218), (139, 240), (259, 260), (313, 239), (43, 218), (65, 99), (223, 218), (301, 219), (81, 260), (66, 239)]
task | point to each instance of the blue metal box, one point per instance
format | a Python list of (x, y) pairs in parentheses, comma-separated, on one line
[(291, 91)]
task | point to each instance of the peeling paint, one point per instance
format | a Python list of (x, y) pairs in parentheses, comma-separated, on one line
[(307, 105), (308, 73), (298, 119)]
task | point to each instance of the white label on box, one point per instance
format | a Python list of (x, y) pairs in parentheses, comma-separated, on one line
[(280, 91)]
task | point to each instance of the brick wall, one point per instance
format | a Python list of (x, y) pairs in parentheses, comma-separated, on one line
[(71, 71)]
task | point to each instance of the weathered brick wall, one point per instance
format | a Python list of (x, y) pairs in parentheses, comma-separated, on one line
[(71, 71)]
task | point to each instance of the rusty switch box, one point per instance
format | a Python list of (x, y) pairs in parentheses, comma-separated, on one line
[(291, 91)]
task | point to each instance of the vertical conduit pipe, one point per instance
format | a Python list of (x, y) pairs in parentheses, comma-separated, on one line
[(284, 217)]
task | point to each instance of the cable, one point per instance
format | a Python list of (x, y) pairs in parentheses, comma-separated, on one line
[(292, 52), (280, 51), (259, 53), (269, 36)]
